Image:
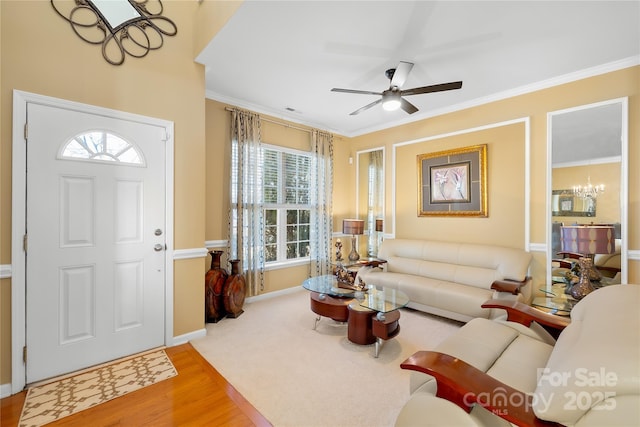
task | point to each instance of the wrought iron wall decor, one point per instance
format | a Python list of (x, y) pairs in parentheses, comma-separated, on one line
[(122, 27)]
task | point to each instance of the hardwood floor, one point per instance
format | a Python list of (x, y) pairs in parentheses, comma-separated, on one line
[(198, 395)]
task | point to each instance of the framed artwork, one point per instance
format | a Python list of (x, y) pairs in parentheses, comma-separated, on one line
[(453, 182), (566, 204)]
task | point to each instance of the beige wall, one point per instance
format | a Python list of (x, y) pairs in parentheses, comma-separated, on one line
[(211, 17), (506, 159), (505, 184), (505, 171), (607, 203), (281, 133), (41, 54)]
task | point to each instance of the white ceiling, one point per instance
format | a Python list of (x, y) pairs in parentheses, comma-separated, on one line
[(275, 55)]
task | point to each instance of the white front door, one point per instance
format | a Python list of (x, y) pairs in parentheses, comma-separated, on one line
[(95, 258)]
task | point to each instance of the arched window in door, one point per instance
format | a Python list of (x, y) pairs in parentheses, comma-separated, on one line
[(101, 146)]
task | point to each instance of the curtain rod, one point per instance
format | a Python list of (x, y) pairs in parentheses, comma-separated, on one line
[(274, 121)]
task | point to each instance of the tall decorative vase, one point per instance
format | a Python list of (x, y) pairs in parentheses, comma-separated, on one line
[(214, 281), (234, 290), (584, 286)]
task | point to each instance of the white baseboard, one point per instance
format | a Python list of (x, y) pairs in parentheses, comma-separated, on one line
[(183, 339), (273, 294), (5, 390)]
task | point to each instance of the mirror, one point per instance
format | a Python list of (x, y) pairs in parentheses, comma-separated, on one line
[(122, 27), (116, 12), (567, 203), (370, 196), (587, 147)]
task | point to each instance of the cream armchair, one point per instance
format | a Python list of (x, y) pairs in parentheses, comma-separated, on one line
[(510, 371)]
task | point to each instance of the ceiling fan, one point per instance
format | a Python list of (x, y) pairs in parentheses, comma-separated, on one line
[(391, 98)]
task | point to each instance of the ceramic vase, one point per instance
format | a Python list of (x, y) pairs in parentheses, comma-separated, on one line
[(234, 290), (214, 281)]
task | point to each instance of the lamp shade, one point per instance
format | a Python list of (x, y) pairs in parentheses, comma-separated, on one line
[(588, 239), (379, 224), (352, 226)]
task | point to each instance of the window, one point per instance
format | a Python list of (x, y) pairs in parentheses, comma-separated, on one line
[(101, 146), (286, 200)]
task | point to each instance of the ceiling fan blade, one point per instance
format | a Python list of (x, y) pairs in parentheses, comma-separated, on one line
[(366, 107), (433, 88), (361, 92), (402, 72), (407, 106)]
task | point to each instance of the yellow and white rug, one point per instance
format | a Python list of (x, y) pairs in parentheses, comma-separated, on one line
[(55, 400)]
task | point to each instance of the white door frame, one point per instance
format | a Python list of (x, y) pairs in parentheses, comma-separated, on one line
[(18, 217)]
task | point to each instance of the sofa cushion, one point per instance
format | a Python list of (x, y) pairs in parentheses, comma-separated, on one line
[(424, 409), (450, 279), (597, 356), (496, 348), (479, 343), (427, 291), (464, 263), (427, 410), (518, 364)]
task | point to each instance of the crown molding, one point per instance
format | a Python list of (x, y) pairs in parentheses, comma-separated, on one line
[(522, 90)]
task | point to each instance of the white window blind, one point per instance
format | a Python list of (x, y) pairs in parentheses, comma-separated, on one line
[(286, 197)]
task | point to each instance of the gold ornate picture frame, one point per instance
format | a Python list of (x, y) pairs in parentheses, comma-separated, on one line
[(453, 182)]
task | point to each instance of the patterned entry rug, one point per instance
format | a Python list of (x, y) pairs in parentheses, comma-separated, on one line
[(50, 402)]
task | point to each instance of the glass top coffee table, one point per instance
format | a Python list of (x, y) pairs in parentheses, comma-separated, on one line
[(372, 314), (327, 299), (327, 285), (383, 300), (555, 305)]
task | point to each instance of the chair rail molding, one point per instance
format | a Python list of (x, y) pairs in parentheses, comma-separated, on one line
[(5, 271), (216, 243), (190, 253)]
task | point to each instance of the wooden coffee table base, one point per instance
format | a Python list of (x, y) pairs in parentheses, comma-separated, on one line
[(365, 326), (327, 306), (359, 329), (384, 327), (368, 326)]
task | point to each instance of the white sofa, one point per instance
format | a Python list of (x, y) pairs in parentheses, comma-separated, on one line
[(501, 372), (452, 279)]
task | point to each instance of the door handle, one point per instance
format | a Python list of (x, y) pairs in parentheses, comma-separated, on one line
[(158, 247)]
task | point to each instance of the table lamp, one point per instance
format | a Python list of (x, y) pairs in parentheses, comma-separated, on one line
[(353, 227), (587, 240)]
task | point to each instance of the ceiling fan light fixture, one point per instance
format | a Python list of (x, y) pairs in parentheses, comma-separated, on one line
[(393, 98), (391, 102)]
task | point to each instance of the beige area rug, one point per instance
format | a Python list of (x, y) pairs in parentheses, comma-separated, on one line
[(50, 402), (297, 376)]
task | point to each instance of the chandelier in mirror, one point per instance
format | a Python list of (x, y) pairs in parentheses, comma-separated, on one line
[(122, 27), (588, 191)]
